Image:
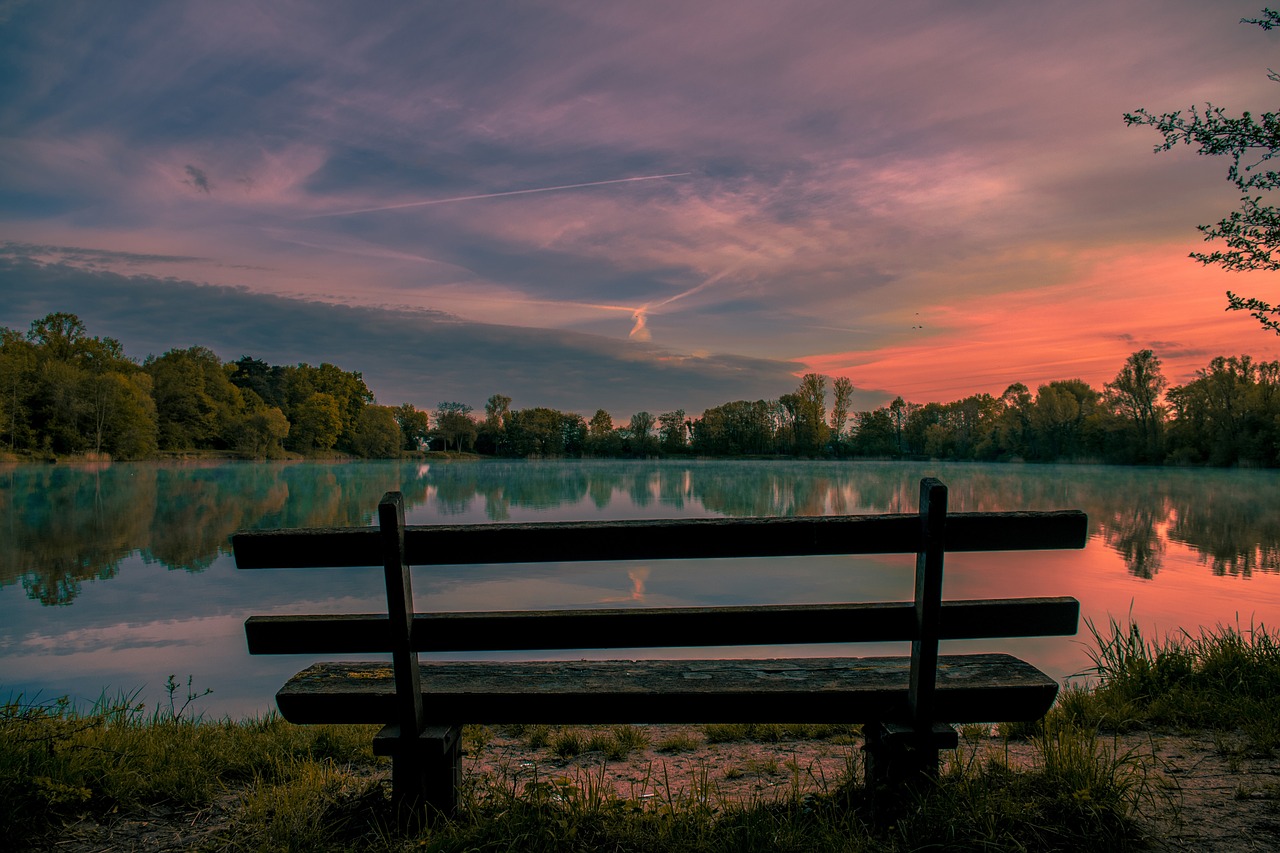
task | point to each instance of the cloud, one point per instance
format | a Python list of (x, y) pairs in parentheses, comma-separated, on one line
[(81, 256), (805, 180), (197, 178), (429, 202), (405, 356), (639, 331)]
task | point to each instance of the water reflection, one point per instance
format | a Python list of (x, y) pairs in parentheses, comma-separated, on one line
[(66, 525)]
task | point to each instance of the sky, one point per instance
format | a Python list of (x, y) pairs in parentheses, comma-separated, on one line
[(652, 205)]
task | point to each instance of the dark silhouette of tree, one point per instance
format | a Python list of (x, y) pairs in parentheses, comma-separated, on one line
[(673, 432), (1134, 395), (842, 388), (454, 425)]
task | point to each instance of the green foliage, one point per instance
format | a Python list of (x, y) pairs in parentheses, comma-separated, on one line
[(317, 423), (311, 788), (377, 435), (261, 433), (454, 425), (1222, 679), (1081, 795), (1249, 142), (740, 428), (57, 761), (543, 433), (1229, 414), (673, 432), (415, 426), (843, 391), (196, 404)]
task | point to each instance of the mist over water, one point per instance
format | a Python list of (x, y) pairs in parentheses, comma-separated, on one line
[(112, 578)]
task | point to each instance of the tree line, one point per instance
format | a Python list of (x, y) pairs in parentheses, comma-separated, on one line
[(64, 392)]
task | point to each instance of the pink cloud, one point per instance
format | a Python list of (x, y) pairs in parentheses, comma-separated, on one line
[(1083, 328)]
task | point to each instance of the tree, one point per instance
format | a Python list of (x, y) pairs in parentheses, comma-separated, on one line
[(544, 432), (60, 335), (1060, 419), (843, 390), (317, 422), (601, 438), (377, 434), (265, 380), (810, 412), (454, 425), (735, 429), (415, 426), (121, 414), (1228, 414), (639, 433), (900, 412), (1251, 233), (673, 432), (262, 432), (496, 409), (601, 424), (874, 435), (347, 389), (1134, 396), (196, 403), (17, 378)]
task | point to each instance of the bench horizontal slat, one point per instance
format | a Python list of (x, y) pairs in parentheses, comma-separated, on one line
[(971, 688), (685, 538), (661, 627)]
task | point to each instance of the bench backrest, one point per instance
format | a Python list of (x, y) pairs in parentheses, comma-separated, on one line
[(924, 621)]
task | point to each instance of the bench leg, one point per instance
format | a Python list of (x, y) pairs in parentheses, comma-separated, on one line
[(897, 755), (426, 772)]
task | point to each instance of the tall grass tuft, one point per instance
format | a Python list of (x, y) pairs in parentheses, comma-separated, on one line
[(1222, 678), (58, 761)]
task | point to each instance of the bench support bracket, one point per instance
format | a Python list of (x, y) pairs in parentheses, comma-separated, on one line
[(898, 753), (426, 771)]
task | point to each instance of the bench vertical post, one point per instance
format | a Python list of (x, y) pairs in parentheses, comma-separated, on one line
[(928, 600), (424, 761), (901, 751)]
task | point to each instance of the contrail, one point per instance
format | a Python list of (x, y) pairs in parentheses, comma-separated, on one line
[(496, 195)]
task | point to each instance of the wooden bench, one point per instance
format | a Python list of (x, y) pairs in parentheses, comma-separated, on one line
[(906, 704)]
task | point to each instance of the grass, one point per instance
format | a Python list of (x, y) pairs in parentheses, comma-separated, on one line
[(285, 787), (1222, 679), (315, 788), (778, 732), (57, 761)]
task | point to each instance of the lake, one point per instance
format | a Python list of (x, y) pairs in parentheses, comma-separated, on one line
[(114, 577)]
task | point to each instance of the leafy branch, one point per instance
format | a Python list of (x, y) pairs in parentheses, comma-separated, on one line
[(1252, 233)]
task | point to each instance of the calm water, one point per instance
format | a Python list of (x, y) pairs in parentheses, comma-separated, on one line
[(114, 578)]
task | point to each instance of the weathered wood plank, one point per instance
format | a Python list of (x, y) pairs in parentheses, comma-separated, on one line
[(685, 538), (970, 688), (408, 778), (928, 601), (661, 627)]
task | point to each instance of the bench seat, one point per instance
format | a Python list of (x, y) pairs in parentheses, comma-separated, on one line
[(970, 688)]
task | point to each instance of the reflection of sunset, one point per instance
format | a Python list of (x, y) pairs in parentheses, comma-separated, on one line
[(638, 577)]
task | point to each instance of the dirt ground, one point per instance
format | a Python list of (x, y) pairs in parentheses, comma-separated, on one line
[(1212, 796)]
